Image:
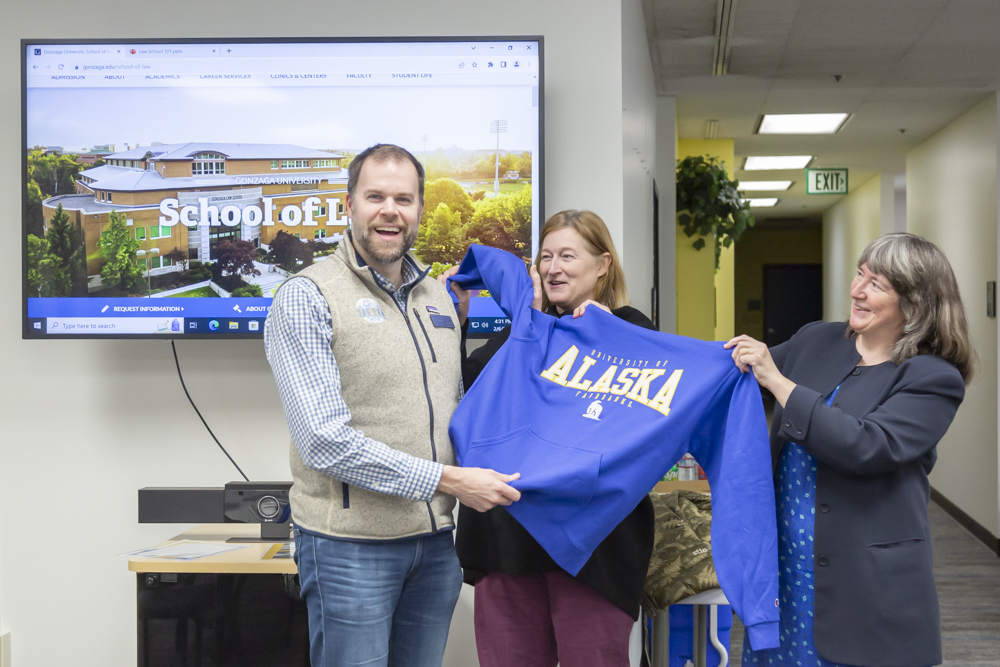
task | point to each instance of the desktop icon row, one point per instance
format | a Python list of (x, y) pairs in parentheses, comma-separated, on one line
[(213, 325)]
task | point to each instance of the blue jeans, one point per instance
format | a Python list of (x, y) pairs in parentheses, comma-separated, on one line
[(386, 604)]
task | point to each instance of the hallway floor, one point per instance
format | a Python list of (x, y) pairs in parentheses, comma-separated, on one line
[(968, 583)]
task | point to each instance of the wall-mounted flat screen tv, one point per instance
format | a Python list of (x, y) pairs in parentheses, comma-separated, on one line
[(171, 186)]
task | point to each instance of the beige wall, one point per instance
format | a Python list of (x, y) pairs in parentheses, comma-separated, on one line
[(84, 415), (848, 226), (951, 199)]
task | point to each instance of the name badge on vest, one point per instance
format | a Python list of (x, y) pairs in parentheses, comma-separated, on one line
[(442, 321)]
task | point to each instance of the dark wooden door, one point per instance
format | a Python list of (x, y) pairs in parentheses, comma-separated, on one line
[(793, 296)]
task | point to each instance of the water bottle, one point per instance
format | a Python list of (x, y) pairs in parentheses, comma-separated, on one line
[(687, 469)]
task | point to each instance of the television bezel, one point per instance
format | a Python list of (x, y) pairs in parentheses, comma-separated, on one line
[(27, 333)]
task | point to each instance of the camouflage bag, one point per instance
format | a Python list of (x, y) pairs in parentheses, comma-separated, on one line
[(681, 564)]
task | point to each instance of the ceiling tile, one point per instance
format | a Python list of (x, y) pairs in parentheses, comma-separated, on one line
[(913, 64)]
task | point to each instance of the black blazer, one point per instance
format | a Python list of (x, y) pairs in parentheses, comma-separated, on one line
[(876, 603)]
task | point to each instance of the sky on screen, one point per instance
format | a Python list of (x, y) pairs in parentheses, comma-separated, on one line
[(313, 117)]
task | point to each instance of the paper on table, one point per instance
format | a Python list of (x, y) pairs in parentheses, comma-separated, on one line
[(279, 551), (185, 550)]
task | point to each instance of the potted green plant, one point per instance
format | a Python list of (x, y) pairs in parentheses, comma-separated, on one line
[(709, 203)]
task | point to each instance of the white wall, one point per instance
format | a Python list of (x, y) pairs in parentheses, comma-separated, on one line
[(666, 185), (951, 199), (638, 156), (87, 423), (848, 226), (892, 194)]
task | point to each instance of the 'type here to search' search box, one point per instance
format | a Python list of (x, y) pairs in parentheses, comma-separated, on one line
[(115, 325)]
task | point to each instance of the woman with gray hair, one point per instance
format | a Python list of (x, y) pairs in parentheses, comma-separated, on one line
[(860, 410)]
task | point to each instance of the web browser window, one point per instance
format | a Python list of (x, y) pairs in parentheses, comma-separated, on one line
[(170, 188)]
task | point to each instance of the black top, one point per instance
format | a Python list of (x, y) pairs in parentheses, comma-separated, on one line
[(876, 604), (494, 541)]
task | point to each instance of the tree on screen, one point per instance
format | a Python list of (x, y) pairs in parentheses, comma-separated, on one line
[(522, 164), (67, 251), (41, 269), (288, 250), (450, 192), (504, 222), (441, 237), (236, 258), (54, 174), (178, 256), (118, 246), (36, 223)]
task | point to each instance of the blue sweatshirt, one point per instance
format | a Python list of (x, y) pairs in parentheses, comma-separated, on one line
[(593, 411)]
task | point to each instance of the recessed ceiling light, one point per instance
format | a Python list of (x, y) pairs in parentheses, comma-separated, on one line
[(764, 202), (760, 162), (801, 123), (762, 186)]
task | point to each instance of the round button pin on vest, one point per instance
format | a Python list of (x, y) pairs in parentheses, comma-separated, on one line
[(370, 310)]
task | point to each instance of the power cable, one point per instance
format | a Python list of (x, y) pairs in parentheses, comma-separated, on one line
[(186, 393)]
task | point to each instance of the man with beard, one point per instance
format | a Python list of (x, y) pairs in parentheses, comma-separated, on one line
[(365, 352)]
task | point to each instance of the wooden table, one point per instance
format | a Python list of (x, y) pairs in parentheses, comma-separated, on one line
[(246, 560), (699, 485)]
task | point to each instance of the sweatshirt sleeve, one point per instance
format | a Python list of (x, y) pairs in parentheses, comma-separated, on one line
[(744, 530), (506, 278)]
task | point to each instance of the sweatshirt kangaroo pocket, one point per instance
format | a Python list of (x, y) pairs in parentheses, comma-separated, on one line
[(560, 478)]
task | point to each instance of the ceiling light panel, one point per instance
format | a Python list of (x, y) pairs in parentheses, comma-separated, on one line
[(763, 202), (764, 186), (761, 162), (802, 123)]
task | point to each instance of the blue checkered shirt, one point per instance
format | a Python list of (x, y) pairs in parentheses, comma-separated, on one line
[(297, 336)]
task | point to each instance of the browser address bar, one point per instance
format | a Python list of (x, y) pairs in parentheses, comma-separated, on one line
[(328, 65)]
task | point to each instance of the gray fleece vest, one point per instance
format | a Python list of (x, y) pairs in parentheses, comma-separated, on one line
[(400, 379)]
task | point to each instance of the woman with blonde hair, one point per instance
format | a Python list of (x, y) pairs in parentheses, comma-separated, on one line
[(860, 410), (529, 612)]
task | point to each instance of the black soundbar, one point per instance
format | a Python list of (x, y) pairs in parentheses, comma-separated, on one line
[(265, 503), (179, 504)]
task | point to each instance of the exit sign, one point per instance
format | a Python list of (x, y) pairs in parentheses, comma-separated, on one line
[(826, 181)]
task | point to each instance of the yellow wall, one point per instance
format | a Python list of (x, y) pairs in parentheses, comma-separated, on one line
[(704, 297), (848, 226), (760, 247), (951, 199), (725, 310)]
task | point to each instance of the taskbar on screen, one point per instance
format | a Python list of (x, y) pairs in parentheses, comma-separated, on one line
[(174, 317), (83, 317), (145, 326)]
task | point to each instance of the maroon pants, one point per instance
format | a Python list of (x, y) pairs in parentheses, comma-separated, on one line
[(537, 620)]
